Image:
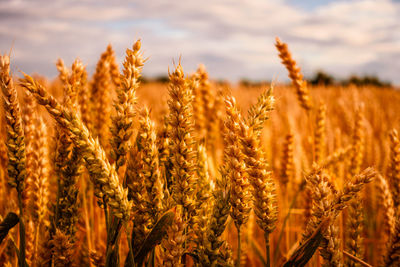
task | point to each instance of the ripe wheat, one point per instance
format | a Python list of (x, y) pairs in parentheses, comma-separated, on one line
[(123, 178)]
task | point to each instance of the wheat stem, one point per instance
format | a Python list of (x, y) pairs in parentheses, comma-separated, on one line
[(239, 246)]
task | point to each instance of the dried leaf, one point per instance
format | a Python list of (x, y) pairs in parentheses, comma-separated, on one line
[(9, 222), (304, 252), (155, 236)]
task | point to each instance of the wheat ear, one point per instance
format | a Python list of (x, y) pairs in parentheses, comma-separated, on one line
[(150, 172), (260, 112), (386, 198), (122, 122), (100, 90), (15, 145), (173, 248), (323, 193), (392, 257), (394, 168), (287, 162), (319, 135), (182, 142), (114, 69), (63, 254), (235, 170), (103, 174), (295, 75)]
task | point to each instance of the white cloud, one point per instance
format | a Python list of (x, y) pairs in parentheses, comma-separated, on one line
[(233, 38)]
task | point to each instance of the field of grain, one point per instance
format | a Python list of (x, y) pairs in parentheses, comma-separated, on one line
[(103, 170)]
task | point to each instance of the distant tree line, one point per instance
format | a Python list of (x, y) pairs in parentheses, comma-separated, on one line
[(320, 78), (157, 79)]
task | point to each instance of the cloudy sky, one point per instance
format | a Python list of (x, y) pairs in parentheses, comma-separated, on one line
[(234, 39)]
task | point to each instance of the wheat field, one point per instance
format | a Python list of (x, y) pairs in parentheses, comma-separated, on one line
[(104, 170)]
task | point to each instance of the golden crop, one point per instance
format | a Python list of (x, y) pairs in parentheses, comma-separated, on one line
[(111, 172)]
